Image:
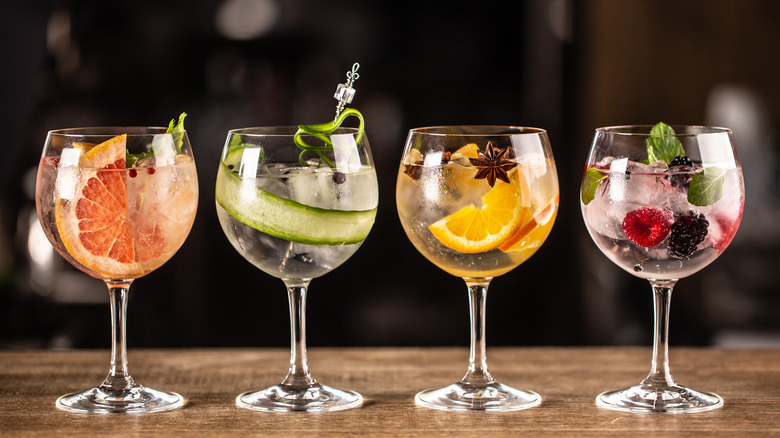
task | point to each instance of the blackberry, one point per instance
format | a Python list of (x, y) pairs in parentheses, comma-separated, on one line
[(680, 164), (681, 161), (688, 231)]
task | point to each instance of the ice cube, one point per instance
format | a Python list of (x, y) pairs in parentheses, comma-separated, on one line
[(275, 169), (182, 160), (715, 232), (637, 167), (146, 162), (640, 187), (605, 163), (271, 178), (164, 147), (312, 186), (733, 191), (359, 191), (604, 216), (535, 166)]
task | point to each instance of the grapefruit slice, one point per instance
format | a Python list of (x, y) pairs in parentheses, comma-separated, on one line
[(93, 225), (474, 229)]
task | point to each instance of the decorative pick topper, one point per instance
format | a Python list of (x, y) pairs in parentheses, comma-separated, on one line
[(345, 92)]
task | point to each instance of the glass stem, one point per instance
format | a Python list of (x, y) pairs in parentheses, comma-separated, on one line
[(660, 376), (118, 375), (477, 373), (298, 375)]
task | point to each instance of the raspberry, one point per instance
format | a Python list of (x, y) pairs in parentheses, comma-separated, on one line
[(647, 226), (680, 164), (687, 233)]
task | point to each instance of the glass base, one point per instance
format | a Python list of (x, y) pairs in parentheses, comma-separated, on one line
[(133, 400), (654, 400), (493, 397), (314, 398)]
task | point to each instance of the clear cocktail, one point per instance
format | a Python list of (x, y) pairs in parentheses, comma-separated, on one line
[(297, 215)]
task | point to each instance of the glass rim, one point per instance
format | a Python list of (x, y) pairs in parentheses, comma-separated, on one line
[(106, 131), (643, 130), (285, 131), (479, 130)]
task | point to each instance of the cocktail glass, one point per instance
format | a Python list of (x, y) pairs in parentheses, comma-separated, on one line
[(477, 201), (117, 223), (662, 203), (297, 206)]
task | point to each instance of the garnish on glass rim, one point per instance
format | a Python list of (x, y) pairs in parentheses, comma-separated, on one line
[(492, 164), (344, 95)]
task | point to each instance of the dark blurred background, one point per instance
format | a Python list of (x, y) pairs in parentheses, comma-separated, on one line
[(567, 66)]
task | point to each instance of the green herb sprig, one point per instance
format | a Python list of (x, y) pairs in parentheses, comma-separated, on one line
[(663, 145), (175, 128)]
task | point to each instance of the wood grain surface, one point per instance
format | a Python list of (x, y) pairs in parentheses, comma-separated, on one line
[(567, 378)]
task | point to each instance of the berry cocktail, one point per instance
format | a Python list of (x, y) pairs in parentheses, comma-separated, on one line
[(662, 203)]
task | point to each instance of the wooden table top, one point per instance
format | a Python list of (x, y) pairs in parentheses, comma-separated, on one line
[(567, 378)]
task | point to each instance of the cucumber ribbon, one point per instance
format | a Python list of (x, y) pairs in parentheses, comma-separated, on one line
[(322, 131)]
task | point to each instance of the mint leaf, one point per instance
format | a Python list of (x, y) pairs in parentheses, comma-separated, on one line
[(663, 144), (590, 182), (706, 187)]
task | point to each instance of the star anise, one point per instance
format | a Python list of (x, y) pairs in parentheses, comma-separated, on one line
[(493, 164)]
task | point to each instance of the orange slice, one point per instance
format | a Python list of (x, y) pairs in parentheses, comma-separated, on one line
[(533, 232), (474, 229), (93, 225), (467, 151)]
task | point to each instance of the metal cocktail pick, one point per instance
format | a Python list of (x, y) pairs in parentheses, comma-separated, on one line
[(345, 92)]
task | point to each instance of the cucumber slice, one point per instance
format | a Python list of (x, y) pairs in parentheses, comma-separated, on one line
[(288, 219), (235, 153)]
